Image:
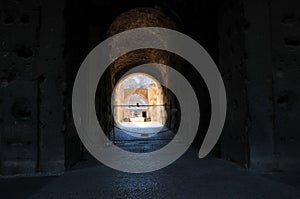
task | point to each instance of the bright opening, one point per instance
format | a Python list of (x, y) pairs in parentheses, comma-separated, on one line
[(138, 101)]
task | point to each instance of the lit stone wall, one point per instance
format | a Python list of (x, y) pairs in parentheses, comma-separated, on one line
[(153, 95)]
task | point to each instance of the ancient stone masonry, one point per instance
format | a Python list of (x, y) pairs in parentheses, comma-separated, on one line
[(255, 43), (51, 87), (259, 53), (285, 54), (19, 87), (31, 87), (233, 55)]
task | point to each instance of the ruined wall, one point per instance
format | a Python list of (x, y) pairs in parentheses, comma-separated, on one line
[(259, 63), (272, 42), (258, 58), (153, 95), (133, 18), (137, 18), (19, 87), (259, 72), (285, 53), (31, 92), (232, 27)]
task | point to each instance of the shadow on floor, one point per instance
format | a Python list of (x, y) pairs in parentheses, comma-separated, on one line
[(187, 177)]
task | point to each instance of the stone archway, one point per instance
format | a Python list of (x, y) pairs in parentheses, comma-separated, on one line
[(138, 95)]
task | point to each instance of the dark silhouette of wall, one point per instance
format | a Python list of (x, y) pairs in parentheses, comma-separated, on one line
[(255, 43)]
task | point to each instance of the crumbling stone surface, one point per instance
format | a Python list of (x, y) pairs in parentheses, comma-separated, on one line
[(259, 53), (51, 87), (31, 109), (273, 45), (263, 90), (285, 54), (18, 89), (137, 18), (233, 56), (21, 109), (140, 17), (259, 86)]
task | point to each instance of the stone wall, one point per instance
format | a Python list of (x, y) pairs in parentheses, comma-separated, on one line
[(259, 60), (44, 42), (285, 54), (232, 57), (32, 85)]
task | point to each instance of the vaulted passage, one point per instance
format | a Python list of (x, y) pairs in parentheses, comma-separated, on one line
[(144, 114), (139, 98), (140, 114), (255, 45)]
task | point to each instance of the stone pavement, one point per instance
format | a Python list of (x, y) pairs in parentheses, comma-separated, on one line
[(188, 177)]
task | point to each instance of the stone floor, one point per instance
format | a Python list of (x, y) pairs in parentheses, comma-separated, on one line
[(141, 129), (188, 177), (142, 144)]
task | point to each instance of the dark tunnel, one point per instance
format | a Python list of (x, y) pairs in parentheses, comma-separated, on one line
[(255, 46)]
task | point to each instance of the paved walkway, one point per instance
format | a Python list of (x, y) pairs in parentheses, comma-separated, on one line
[(147, 137), (188, 177), (141, 129)]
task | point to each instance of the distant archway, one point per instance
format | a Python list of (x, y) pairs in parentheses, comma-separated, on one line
[(138, 97)]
